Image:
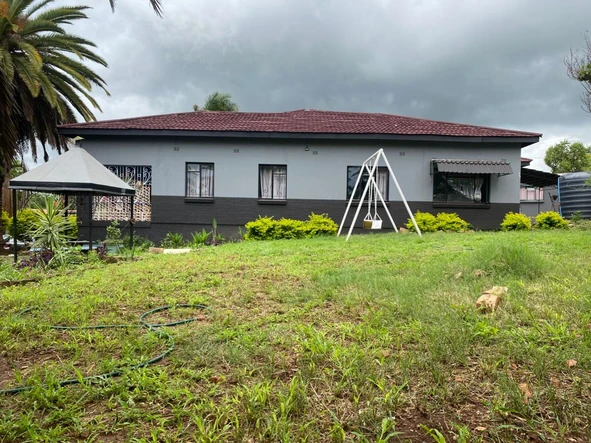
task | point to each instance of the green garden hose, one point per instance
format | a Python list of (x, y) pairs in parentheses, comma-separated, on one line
[(154, 327)]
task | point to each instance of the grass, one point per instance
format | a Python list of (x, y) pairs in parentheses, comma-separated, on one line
[(373, 340)]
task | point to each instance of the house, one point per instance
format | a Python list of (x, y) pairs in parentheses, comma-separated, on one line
[(539, 190), (190, 168)]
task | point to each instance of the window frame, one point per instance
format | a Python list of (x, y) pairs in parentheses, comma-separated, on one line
[(199, 198), (380, 168), (473, 204), (271, 200)]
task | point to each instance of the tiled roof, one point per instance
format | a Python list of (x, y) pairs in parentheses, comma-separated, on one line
[(300, 121)]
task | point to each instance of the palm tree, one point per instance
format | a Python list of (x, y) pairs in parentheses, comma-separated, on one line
[(43, 78), (218, 101), (156, 5)]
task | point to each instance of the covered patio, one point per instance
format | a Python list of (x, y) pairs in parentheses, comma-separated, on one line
[(74, 173)]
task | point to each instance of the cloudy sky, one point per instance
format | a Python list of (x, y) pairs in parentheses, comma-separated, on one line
[(486, 62)]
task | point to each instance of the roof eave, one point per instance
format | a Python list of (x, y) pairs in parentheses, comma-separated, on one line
[(524, 140)]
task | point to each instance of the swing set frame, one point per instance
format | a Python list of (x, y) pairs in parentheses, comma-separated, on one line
[(370, 165)]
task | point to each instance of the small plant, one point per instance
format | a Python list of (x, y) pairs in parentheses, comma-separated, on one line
[(575, 217), (550, 220), (515, 222), (114, 232), (139, 243), (425, 221), (52, 226), (38, 260), (218, 239), (446, 221), (173, 240), (200, 238)]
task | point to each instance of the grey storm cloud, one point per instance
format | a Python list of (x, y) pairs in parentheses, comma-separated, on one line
[(490, 62)]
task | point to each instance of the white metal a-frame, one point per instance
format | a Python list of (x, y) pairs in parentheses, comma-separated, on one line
[(370, 165)]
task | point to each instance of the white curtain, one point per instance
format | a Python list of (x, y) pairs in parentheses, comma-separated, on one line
[(280, 183), (266, 182), (382, 182), (478, 181), (206, 180), (193, 178)]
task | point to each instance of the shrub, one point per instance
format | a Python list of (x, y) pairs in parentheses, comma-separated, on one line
[(26, 222), (550, 220), (287, 228), (6, 221), (265, 228), (425, 221), (320, 224), (73, 228), (451, 222), (444, 221), (515, 222)]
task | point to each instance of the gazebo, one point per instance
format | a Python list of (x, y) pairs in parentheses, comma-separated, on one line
[(75, 172)]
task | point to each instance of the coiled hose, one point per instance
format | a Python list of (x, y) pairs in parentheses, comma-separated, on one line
[(154, 327)]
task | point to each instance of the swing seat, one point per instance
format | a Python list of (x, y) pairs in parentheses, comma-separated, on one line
[(370, 222)]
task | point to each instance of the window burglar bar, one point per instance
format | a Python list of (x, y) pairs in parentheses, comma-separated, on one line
[(118, 207), (273, 182), (199, 180)]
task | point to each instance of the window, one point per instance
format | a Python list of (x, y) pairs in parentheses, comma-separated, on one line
[(199, 183), (273, 182), (110, 208), (531, 194), (449, 187), (382, 180)]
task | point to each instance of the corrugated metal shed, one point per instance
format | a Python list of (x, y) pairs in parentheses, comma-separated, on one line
[(472, 166), (537, 178)]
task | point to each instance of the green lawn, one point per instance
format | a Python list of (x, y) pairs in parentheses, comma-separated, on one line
[(377, 339)]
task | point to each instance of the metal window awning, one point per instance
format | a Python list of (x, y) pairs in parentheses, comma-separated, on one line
[(540, 179), (461, 166)]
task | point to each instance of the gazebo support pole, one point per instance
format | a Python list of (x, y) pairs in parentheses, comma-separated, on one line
[(14, 222), (131, 227), (89, 222)]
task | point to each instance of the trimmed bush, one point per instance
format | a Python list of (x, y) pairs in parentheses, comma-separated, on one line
[(265, 228), (451, 222), (444, 221), (514, 221), (425, 221), (550, 220), (320, 224)]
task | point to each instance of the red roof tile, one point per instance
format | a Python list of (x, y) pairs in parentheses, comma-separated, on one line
[(300, 121)]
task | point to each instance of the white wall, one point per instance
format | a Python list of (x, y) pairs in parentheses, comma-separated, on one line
[(322, 176)]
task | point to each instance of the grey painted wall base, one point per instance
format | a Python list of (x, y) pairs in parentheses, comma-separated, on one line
[(174, 214)]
